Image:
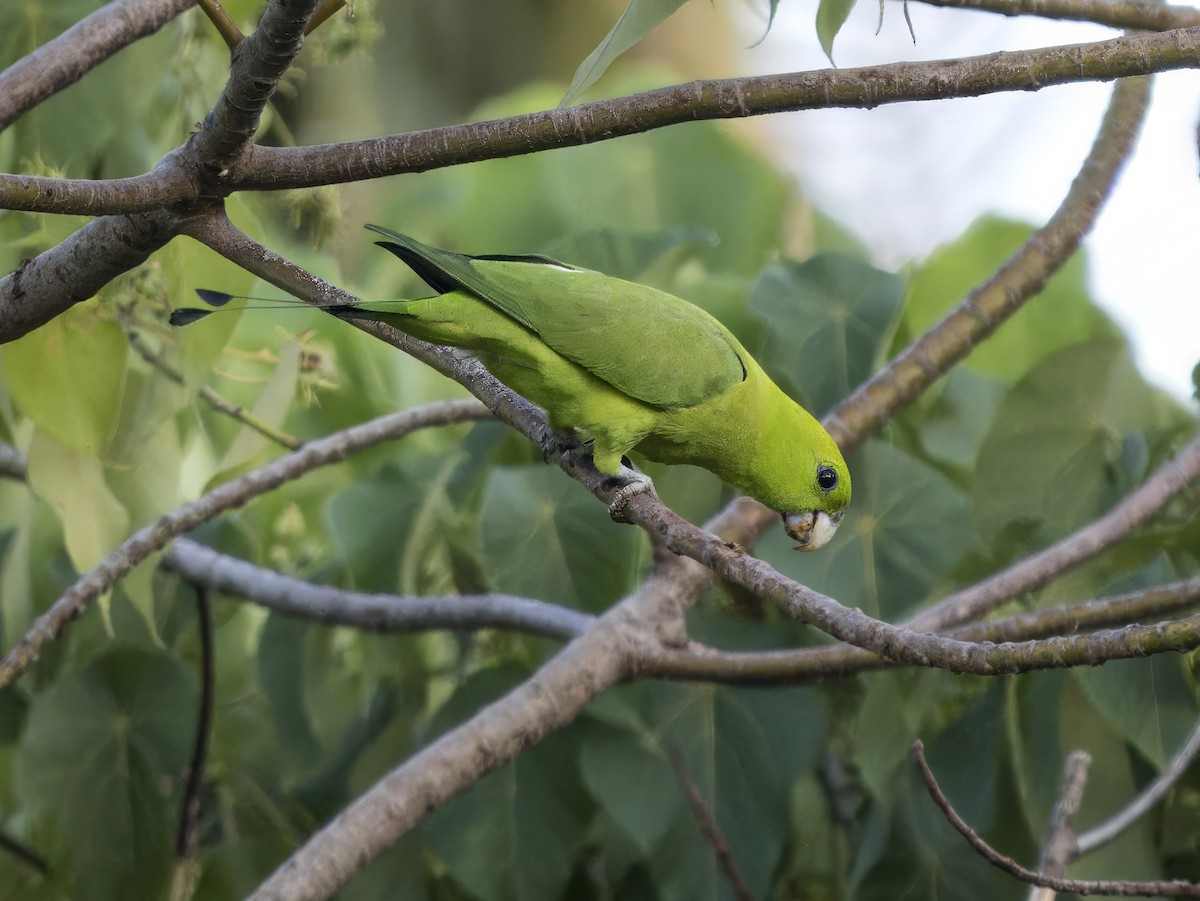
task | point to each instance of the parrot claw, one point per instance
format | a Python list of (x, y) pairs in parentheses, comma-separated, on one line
[(634, 483)]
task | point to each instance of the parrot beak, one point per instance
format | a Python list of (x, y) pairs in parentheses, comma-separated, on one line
[(811, 530)]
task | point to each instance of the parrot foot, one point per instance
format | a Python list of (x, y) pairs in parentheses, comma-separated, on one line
[(632, 483)]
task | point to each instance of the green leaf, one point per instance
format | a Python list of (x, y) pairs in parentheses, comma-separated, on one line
[(67, 377), (99, 765), (584, 559), (1048, 464), (951, 419), (282, 659), (742, 748), (72, 484), (632, 781), (1148, 702), (829, 319), (1061, 314), (270, 407), (639, 19), (371, 520), (831, 16), (906, 528)]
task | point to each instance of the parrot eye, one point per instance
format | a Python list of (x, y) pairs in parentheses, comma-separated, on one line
[(827, 478)]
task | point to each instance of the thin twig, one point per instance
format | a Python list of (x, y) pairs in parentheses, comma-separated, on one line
[(704, 818), (12, 463), (323, 12), (699, 662), (189, 806), (23, 853), (222, 22), (371, 612), (1036, 570), (228, 496), (64, 60), (1163, 888), (212, 398), (1058, 849), (1101, 835)]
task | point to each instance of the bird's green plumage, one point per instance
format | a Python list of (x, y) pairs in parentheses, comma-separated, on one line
[(624, 366)]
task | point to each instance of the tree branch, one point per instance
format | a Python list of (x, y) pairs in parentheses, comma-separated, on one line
[(1133, 14), (1040, 568), (222, 22), (1021, 277), (64, 60), (1165, 889), (96, 197), (229, 496), (74, 270), (495, 735), (703, 815), (702, 663), (189, 805), (979, 314), (1059, 846), (371, 612), (1101, 835), (278, 168), (259, 62)]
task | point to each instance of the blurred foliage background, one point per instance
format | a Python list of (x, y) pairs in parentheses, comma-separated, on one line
[(1031, 437)]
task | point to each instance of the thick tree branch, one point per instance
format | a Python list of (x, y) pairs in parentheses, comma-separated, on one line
[(371, 612), (259, 62), (165, 186), (228, 496), (276, 168), (1133, 14), (547, 701), (55, 280), (1164, 889), (64, 60)]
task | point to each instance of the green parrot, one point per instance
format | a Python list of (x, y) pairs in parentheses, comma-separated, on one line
[(622, 367)]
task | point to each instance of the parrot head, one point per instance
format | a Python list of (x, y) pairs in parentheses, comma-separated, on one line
[(824, 500)]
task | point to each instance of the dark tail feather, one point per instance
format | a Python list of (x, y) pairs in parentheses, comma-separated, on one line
[(428, 271)]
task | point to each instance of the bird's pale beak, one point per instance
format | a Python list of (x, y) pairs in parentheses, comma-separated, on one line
[(812, 529)]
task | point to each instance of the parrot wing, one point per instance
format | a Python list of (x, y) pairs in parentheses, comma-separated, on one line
[(649, 345)]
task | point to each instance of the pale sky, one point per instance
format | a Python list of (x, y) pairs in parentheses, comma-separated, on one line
[(908, 177)]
